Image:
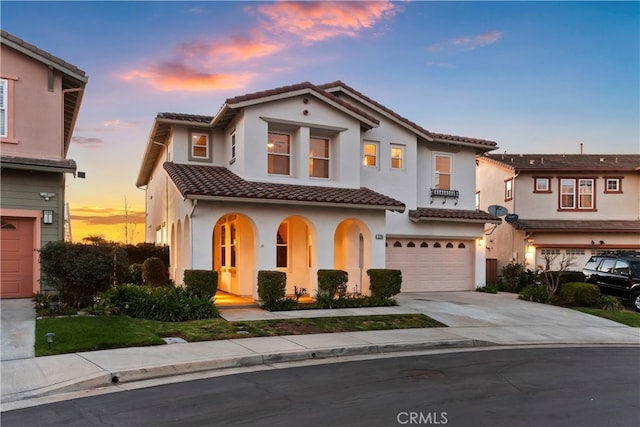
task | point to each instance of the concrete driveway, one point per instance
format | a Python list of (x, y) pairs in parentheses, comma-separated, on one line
[(18, 328)]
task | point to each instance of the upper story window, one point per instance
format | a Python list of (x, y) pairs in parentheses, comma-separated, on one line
[(319, 157), (370, 154), (577, 193), (279, 154), (541, 184), (199, 146), (443, 172), (613, 185), (477, 200), (397, 156), (4, 86), (508, 189), (233, 148)]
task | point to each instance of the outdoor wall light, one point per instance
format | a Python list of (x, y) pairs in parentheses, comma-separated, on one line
[(50, 336), (47, 216)]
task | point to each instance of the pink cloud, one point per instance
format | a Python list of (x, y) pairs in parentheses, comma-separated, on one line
[(468, 42), (316, 21)]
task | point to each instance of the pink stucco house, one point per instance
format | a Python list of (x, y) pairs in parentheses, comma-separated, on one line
[(40, 96)]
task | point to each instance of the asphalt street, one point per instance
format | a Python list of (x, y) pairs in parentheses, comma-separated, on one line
[(570, 386)]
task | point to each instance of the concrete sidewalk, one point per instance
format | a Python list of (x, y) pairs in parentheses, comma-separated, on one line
[(474, 319)]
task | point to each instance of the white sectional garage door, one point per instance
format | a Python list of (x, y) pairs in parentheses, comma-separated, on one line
[(433, 265)]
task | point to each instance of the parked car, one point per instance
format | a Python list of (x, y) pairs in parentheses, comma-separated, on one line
[(616, 274)]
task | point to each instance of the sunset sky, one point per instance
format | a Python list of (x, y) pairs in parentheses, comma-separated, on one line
[(539, 77)]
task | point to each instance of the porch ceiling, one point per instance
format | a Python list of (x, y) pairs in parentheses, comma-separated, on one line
[(215, 182)]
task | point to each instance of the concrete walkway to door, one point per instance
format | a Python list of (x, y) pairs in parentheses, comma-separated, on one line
[(18, 327)]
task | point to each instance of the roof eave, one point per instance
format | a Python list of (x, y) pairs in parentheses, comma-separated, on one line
[(475, 221)]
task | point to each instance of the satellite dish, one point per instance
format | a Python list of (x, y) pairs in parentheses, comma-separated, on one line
[(511, 218), (498, 210)]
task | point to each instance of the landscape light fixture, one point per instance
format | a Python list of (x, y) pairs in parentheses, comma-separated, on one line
[(50, 336), (47, 216)]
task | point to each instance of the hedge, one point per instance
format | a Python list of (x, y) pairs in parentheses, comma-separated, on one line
[(384, 283), (201, 282)]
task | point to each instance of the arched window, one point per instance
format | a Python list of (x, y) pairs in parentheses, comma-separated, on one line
[(397, 244), (461, 246), (411, 245), (424, 245), (449, 245)]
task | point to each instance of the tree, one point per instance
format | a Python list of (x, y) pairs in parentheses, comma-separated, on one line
[(96, 239), (128, 228), (553, 278)]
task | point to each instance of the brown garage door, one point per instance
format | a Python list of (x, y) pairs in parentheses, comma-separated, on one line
[(433, 265), (16, 254)]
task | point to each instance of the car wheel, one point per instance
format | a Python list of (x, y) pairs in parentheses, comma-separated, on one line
[(635, 300)]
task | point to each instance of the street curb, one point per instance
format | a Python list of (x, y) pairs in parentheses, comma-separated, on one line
[(107, 378)]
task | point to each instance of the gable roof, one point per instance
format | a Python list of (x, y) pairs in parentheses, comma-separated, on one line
[(232, 106), (219, 183), (72, 78), (481, 144), (455, 215), (567, 162)]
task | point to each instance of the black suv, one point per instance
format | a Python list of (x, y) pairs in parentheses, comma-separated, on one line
[(616, 274)]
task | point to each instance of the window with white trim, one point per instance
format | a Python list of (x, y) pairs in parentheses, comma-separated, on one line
[(3, 107), (233, 148), (542, 185), (318, 157), (577, 193), (508, 189), (282, 239), (199, 146), (612, 185), (279, 154), (370, 153), (397, 156), (443, 168)]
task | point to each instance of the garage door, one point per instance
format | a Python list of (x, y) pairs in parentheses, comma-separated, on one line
[(16, 255), (433, 265)]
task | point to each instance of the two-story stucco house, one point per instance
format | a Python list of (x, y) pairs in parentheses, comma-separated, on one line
[(571, 205), (308, 177), (40, 96)]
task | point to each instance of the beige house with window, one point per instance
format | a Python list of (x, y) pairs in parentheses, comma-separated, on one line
[(308, 177), (40, 97), (572, 205)]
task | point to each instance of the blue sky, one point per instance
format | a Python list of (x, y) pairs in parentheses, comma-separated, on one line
[(539, 77)]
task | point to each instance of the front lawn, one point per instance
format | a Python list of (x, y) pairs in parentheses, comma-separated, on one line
[(76, 334), (628, 318)]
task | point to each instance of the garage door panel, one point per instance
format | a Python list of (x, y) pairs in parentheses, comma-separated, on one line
[(17, 254), (433, 268)]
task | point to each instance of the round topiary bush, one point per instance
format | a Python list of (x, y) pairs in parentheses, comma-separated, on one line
[(154, 272), (580, 294)]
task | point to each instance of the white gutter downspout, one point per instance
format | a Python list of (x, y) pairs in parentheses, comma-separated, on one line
[(166, 200), (194, 203)]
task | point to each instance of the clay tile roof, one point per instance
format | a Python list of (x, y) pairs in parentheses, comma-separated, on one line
[(569, 162), (415, 126), (578, 226), (197, 181), (422, 214), (296, 87), (185, 117)]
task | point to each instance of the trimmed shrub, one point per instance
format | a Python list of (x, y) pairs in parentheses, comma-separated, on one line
[(572, 276), (515, 277), (489, 288), (80, 271), (606, 302), (332, 282), (384, 283), (137, 254), (135, 274), (271, 288), (535, 293), (201, 282), (166, 304), (154, 272), (580, 294)]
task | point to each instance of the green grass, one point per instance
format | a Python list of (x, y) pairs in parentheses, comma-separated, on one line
[(76, 334), (628, 318)]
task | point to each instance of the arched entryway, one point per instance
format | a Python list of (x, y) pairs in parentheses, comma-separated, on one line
[(234, 254), (352, 243), (296, 253)]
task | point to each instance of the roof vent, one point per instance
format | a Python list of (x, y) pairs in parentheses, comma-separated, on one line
[(532, 161), (602, 159), (541, 160)]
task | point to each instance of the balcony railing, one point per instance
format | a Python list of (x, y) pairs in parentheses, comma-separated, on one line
[(445, 194)]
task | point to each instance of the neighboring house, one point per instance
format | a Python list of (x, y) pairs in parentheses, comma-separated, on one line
[(571, 205), (40, 97), (307, 177)]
